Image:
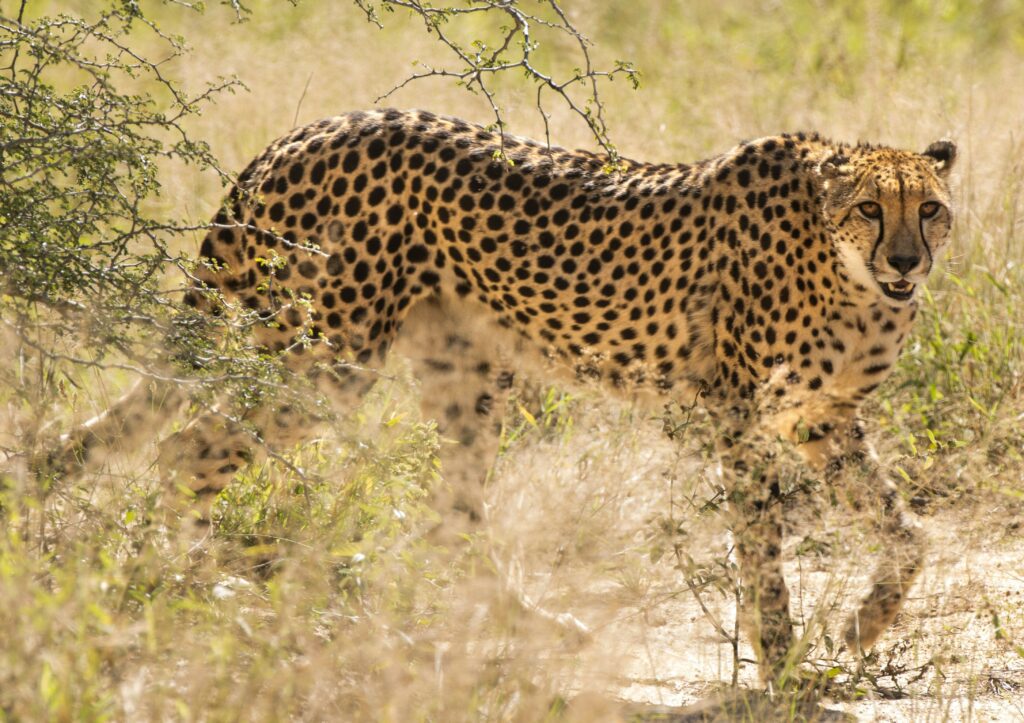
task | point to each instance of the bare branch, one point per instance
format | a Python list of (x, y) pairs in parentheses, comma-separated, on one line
[(477, 65)]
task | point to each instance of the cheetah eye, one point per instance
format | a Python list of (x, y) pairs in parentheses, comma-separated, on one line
[(929, 209), (870, 209)]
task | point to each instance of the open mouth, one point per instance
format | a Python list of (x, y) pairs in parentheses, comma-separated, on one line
[(901, 290)]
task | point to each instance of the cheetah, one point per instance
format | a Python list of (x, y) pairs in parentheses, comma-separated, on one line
[(777, 282)]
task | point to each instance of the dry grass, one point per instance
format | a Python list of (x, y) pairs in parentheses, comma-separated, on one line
[(323, 600)]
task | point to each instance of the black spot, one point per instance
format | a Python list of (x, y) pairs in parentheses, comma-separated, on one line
[(375, 149), (418, 254), (429, 278), (317, 174)]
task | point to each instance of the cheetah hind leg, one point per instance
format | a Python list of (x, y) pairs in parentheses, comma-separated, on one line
[(194, 463), (465, 381), (198, 462), (123, 427)]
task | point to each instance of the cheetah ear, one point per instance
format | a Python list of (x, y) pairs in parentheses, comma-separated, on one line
[(834, 166), (943, 154)]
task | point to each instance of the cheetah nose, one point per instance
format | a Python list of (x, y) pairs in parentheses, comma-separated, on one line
[(903, 264)]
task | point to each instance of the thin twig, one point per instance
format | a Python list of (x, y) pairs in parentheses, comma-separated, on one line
[(477, 66)]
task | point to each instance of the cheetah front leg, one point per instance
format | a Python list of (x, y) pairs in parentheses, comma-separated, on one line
[(840, 445), (750, 451), (756, 523), (902, 559)]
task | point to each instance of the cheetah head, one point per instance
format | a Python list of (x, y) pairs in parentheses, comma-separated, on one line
[(889, 213)]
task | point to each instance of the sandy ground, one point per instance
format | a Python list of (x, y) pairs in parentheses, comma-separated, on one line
[(580, 517)]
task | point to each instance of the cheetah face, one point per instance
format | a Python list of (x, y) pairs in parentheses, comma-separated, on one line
[(889, 214)]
